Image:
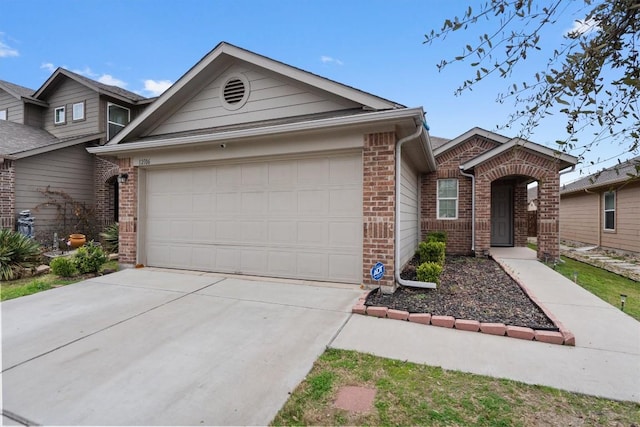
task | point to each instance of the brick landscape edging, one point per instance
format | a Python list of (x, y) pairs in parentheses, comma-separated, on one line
[(564, 337)]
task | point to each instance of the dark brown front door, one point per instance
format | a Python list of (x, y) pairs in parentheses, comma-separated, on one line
[(501, 215)]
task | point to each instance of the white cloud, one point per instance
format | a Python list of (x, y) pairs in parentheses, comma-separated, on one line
[(329, 60), (108, 79), (581, 27), (48, 66), (7, 51), (156, 87)]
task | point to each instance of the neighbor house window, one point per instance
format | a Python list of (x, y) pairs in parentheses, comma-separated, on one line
[(59, 116), (78, 111), (447, 199), (4, 114), (610, 210), (117, 119)]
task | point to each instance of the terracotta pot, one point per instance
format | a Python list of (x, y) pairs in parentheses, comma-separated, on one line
[(77, 240)]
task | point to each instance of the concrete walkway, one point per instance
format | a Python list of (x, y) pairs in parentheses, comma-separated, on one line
[(603, 363)]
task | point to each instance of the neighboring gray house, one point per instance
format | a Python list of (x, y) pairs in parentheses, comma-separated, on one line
[(44, 165)]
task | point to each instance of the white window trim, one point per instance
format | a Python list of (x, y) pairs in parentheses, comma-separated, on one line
[(108, 122), (55, 115), (605, 210), (447, 198), (6, 114), (73, 111)]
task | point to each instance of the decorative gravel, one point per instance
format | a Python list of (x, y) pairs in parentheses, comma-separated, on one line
[(470, 288)]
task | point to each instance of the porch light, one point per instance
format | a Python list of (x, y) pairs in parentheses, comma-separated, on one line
[(122, 178), (623, 299)]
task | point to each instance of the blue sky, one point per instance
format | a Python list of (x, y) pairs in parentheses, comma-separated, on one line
[(374, 45)]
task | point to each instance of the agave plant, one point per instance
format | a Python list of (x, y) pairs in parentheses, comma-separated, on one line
[(110, 238), (17, 252)]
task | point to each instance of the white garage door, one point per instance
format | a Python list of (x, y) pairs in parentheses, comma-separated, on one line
[(294, 218)]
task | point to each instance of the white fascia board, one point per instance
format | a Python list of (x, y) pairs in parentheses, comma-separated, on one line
[(334, 122), (468, 134), (56, 146), (540, 149)]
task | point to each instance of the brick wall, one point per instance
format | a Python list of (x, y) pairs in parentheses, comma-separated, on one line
[(128, 214), (106, 171), (378, 203), (7, 194), (458, 230)]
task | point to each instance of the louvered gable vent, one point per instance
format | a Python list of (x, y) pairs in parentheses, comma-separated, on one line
[(234, 91)]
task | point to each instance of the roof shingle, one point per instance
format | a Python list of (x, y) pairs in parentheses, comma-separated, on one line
[(611, 175)]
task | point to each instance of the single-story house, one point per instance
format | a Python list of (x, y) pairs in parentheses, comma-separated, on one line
[(44, 164), (603, 209), (249, 165)]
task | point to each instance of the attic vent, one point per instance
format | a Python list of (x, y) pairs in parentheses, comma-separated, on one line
[(235, 92)]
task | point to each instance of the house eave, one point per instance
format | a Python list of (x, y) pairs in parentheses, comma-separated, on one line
[(476, 131), (55, 146)]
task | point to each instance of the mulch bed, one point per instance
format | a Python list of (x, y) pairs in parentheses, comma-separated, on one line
[(470, 288)]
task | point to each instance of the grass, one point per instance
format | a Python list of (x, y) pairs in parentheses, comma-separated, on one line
[(31, 285), (413, 394), (602, 283)]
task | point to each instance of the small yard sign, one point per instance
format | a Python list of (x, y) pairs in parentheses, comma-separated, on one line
[(377, 271)]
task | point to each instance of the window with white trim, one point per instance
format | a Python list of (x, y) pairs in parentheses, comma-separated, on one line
[(117, 118), (78, 111), (447, 205), (610, 210), (4, 114), (59, 116)]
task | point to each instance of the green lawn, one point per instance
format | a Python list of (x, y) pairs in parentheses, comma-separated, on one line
[(412, 394), (602, 283), (32, 285)]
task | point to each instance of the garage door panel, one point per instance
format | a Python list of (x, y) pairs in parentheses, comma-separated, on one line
[(295, 218)]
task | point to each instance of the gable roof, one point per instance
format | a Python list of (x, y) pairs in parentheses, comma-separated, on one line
[(566, 159), (216, 62), (15, 90), (629, 169), (476, 131), (101, 88), (18, 141)]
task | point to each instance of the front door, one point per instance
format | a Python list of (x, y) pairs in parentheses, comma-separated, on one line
[(501, 215)]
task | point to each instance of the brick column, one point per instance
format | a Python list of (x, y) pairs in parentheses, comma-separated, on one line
[(128, 213), (378, 204), (483, 215), (106, 168), (520, 215), (7, 194), (548, 216)]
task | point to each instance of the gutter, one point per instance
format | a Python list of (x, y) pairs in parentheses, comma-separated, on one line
[(473, 208), (409, 283)]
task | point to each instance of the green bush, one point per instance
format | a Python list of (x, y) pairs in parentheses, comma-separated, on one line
[(431, 252), (63, 267), (429, 272), (89, 258), (110, 238), (17, 253), (437, 236)]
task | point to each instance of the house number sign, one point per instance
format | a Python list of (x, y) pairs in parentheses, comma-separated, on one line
[(144, 162), (377, 271)]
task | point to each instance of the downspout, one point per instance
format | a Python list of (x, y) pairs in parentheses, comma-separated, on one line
[(473, 208), (397, 266)]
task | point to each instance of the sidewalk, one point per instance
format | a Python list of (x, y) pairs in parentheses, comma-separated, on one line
[(603, 363)]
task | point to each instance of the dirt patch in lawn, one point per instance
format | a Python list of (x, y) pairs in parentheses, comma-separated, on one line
[(470, 288)]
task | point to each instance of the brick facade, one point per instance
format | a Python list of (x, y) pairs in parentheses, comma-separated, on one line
[(378, 205), (7, 194), (128, 213), (106, 173), (515, 168)]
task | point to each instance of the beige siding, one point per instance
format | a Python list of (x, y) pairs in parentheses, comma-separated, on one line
[(271, 97), (66, 94), (579, 218), (70, 170), (15, 107), (627, 233), (409, 208)]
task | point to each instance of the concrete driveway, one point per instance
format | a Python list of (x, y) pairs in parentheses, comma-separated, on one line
[(148, 347)]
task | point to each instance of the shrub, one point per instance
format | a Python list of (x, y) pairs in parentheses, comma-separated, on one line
[(63, 267), (17, 253), (429, 272), (89, 258), (110, 238), (431, 252), (437, 236)]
